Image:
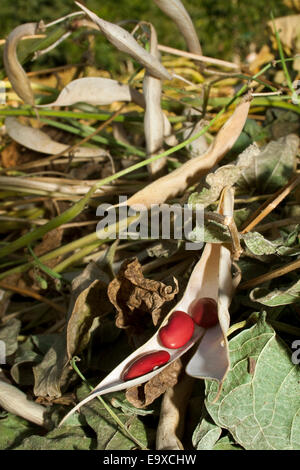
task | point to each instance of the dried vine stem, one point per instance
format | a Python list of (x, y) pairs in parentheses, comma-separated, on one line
[(270, 204)]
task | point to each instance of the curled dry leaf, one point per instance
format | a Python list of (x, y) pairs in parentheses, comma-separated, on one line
[(210, 278), (153, 119), (15, 401), (53, 373), (177, 181), (145, 394), (175, 10), (39, 141), (13, 68), (125, 42), (133, 295)]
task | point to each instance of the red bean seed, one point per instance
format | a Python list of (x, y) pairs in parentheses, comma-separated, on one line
[(146, 364), (205, 312), (178, 331)]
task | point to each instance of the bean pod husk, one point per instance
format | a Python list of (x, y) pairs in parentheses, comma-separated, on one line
[(211, 278)]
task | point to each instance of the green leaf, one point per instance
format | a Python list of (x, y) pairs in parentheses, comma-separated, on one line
[(283, 296), (12, 430), (9, 334), (259, 245), (109, 435), (270, 168), (206, 434), (25, 358), (260, 402), (226, 443), (213, 233), (64, 438)]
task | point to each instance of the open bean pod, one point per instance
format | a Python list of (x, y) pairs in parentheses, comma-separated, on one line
[(211, 278)]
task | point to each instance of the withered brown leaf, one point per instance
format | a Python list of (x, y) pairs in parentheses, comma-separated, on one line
[(133, 295), (143, 395)]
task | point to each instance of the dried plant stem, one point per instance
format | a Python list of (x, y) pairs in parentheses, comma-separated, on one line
[(39, 53), (270, 204), (278, 223), (235, 237), (33, 294), (293, 330), (201, 58), (271, 275)]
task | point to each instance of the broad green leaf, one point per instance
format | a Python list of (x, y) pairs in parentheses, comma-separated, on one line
[(226, 443), (260, 401), (259, 245), (9, 334), (226, 175), (64, 438), (213, 233), (109, 435), (283, 296), (13, 429), (206, 434), (270, 168)]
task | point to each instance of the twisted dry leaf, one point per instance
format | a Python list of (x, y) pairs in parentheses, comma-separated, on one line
[(13, 68), (175, 10), (39, 141), (125, 42), (145, 394), (133, 295), (212, 278)]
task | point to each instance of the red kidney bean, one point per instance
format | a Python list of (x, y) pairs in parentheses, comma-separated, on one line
[(205, 312), (178, 331), (146, 364)]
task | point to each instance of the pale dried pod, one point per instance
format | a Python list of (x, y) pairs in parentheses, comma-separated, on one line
[(13, 68), (15, 401), (96, 91), (177, 12), (211, 278), (39, 141), (170, 427), (104, 91), (125, 42), (153, 119)]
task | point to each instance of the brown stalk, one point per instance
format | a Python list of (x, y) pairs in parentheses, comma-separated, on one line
[(270, 204), (278, 223), (34, 295), (271, 275)]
